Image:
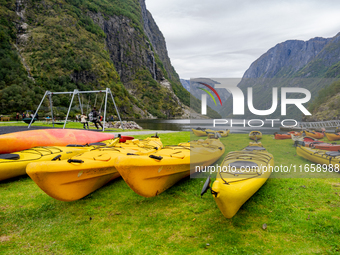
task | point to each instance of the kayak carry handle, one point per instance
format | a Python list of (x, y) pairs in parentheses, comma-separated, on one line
[(56, 158), (75, 161), (156, 157), (206, 186)]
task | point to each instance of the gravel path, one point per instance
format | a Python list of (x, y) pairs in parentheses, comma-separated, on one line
[(149, 132)]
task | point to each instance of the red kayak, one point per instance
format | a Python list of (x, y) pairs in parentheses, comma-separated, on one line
[(19, 141), (309, 142)]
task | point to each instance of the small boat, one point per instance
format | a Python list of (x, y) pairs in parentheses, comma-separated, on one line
[(70, 180), (316, 135), (287, 135), (19, 141), (319, 145), (255, 135), (242, 174), (222, 133), (14, 164), (150, 175), (333, 137), (199, 132), (321, 157)]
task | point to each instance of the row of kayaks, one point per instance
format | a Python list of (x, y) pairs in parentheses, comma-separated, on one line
[(68, 173), (256, 135), (322, 153), (71, 172), (313, 134)]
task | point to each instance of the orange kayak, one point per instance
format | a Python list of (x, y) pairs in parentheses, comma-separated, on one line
[(286, 136), (319, 145), (19, 141)]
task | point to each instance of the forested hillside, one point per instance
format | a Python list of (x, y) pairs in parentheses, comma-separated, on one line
[(62, 45), (326, 105)]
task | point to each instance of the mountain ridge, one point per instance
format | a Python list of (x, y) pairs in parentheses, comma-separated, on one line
[(290, 64)]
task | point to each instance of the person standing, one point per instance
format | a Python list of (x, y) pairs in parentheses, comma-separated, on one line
[(17, 116), (83, 120), (95, 118)]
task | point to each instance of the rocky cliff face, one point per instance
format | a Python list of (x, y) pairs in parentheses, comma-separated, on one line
[(286, 58), (290, 63), (157, 40), (129, 49)]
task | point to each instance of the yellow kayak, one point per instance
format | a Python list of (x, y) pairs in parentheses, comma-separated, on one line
[(14, 164), (255, 135), (150, 175), (242, 174), (316, 135), (222, 133), (72, 179), (199, 132), (333, 137), (321, 157)]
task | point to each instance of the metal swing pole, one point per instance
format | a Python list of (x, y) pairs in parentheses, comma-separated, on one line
[(42, 100), (121, 123), (51, 106), (80, 104), (105, 108), (74, 92)]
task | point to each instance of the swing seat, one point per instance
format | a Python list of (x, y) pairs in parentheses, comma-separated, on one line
[(28, 120)]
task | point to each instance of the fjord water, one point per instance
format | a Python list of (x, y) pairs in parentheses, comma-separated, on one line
[(187, 125)]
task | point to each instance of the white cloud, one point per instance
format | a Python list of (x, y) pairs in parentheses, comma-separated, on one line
[(221, 38)]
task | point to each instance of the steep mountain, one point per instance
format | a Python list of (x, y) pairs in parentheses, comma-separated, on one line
[(185, 84), (312, 64), (197, 92), (81, 44)]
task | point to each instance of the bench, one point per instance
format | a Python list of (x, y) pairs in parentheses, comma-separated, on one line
[(5, 118)]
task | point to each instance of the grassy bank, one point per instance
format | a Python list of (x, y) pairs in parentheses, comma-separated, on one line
[(302, 216)]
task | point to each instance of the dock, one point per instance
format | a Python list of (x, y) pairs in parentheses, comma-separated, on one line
[(317, 126)]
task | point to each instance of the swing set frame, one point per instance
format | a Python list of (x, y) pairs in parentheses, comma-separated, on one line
[(107, 91)]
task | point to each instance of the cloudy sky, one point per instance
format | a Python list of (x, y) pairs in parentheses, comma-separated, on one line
[(221, 38)]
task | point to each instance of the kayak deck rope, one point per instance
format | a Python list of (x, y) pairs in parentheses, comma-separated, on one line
[(259, 156), (40, 151)]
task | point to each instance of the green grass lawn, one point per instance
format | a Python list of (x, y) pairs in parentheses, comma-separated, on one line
[(302, 215)]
